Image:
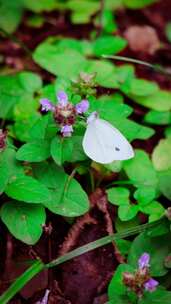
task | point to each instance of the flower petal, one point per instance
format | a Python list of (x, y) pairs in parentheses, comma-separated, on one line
[(45, 298), (144, 260), (62, 98), (46, 105), (82, 106), (151, 285), (67, 130)]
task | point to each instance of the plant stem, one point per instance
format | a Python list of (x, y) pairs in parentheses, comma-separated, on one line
[(16, 40), (21, 281), (91, 180), (122, 182), (100, 242), (158, 68), (38, 266), (100, 28)]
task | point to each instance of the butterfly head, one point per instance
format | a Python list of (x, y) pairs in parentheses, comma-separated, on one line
[(93, 116)]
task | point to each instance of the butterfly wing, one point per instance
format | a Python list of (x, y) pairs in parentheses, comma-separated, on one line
[(103, 143)]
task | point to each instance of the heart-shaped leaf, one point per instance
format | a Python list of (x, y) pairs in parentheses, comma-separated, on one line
[(27, 189), (34, 151), (25, 222)]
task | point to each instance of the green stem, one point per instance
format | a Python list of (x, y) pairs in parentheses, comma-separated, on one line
[(158, 68), (102, 6), (100, 242), (39, 266), (16, 40), (123, 182), (21, 282), (70, 177), (91, 180)]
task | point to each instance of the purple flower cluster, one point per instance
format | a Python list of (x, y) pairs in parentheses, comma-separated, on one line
[(65, 113), (141, 280), (144, 263)]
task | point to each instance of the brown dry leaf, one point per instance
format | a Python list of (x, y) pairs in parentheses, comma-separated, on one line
[(142, 39), (86, 277)]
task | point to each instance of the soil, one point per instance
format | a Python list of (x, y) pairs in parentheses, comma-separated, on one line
[(83, 280)]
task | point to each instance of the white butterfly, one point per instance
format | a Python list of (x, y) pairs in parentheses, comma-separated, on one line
[(103, 143)]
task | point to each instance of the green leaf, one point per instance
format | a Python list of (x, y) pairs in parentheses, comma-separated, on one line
[(35, 21), (165, 182), (27, 189), (123, 246), (47, 174), (34, 151), (133, 130), (168, 31), (125, 74), (108, 21), (11, 13), (140, 170), (120, 299), (167, 132), (157, 247), (105, 73), (134, 4), (162, 228), (67, 149), (108, 45), (157, 297), (109, 108), (24, 118), (161, 156), (127, 212), (159, 101), (68, 197), (145, 195), (124, 226), (82, 11), (158, 118), (21, 127), (115, 166), (141, 87), (118, 196), (154, 209), (14, 90), (14, 166), (4, 173), (39, 6), (43, 128), (60, 149), (116, 286), (84, 47), (25, 222), (9, 167), (59, 63), (30, 82)]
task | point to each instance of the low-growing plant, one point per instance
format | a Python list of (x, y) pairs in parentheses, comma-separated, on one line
[(62, 139)]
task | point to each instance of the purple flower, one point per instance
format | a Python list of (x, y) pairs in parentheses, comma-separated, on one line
[(151, 285), (67, 130), (62, 98), (144, 260), (46, 105), (82, 106), (45, 298)]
